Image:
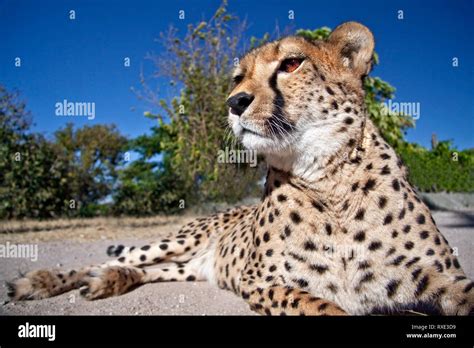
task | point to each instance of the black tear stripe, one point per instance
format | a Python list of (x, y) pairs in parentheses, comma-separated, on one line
[(277, 122)]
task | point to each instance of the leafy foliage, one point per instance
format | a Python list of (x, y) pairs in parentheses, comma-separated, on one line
[(192, 126), (442, 169), (40, 178)]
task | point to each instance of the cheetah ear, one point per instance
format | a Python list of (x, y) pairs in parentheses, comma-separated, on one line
[(355, 45)]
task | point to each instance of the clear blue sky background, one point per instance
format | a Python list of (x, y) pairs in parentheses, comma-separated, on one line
[(82, 60)]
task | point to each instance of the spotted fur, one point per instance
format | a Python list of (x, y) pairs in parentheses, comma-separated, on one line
[(339, 229)]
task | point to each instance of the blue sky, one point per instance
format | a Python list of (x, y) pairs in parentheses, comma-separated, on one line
[(82, 59)]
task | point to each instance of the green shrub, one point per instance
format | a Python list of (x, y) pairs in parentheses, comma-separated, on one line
[(441, 169)]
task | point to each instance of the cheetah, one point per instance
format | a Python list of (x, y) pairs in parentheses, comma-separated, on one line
[(339, 229)]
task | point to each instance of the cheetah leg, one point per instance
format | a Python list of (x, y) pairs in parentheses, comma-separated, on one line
[(41, 284), (46, 283), (116, 280), (278, 300), (187, 244), (96, 281), (179, 246), (456, 297)]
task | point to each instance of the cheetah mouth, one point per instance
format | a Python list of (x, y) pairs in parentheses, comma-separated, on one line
[(246, 130)]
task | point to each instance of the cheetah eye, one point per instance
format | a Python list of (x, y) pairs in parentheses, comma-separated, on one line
[(237, 79), (291, 64)]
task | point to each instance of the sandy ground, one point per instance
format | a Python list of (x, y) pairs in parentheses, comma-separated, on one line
[(86, 242)]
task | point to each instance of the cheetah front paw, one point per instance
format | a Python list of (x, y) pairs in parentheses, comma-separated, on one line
[(106, 282)]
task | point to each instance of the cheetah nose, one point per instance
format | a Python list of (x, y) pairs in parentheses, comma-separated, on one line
[(240, 102)]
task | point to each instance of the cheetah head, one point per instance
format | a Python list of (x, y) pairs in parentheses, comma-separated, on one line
[(292, 96)]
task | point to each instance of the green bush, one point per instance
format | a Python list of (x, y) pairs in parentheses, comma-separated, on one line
[(441, 169)]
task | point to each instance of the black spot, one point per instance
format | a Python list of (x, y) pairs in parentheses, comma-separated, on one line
[(262, 221), (359, 236), (388, 219), (272, 268), (269, 252), (319, 268), (281, 198), (146, 247), (382, 202), (456, 263), (142, 257), (322, 306), (468, 287), (302, 283), (363, 265), (355, 186), (345, 206), (424, 234), (163, 246), (398, 260), (287, 231), (360, 214), (394, 234), (437, 240), (422, 286), (406, 228), (385, 156), (348, 120), (447, 262), (420, 219), (266, 237), (412, 261), (409, 245), (369, 185), (391, 251), (276, 183), (415, 274), (392, 287), (121, 259), (439, 266), (329, 90), (328, 229), (375, 245), (369, 276), (369, 166), (396, 185), (351, 142), (270, 218), (402, 214), (385, 170), (334, 104), (295, 217), (411, 206), (430, 252), (318, 206), (332, 287), (348, 109), (287, 266), (309, 245)]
